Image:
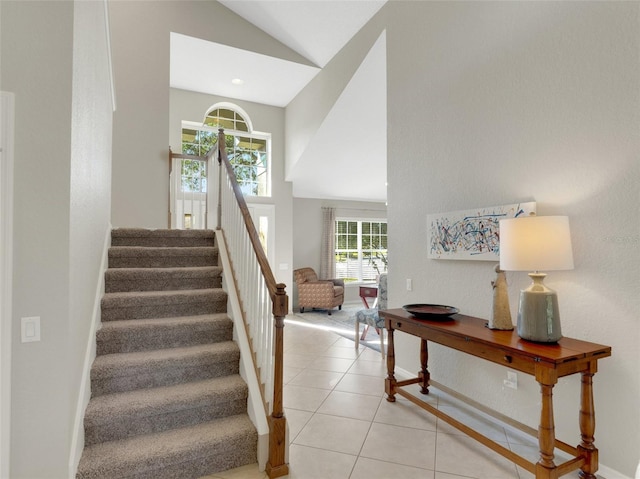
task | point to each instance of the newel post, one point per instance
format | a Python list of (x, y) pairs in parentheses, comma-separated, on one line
[(276, 465)]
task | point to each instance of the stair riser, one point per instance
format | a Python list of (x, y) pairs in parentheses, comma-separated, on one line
[(156, 338), (193, 308), (161, 242), (161, 237), (124, 427), (165, 375), (180, 261), (162, 284)]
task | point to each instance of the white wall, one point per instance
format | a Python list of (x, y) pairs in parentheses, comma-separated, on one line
[(307, 233), (140, 44), (508, 102), (90, 193), (192, 106), (310, 108), (61, 198)]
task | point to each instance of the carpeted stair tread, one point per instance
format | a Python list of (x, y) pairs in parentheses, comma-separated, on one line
[(110, 365), (124, 336), (182, 295), (162, 257), (127, 371), (188, 452), (162, 279), (161, 237), (144, 411), (140, 402), (162, 304)]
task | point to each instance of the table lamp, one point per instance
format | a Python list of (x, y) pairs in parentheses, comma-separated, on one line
[(537, 243)]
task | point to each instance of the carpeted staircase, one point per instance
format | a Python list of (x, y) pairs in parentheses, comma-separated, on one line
[(166, 397)]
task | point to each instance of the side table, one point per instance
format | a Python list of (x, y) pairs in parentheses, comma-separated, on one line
[(368, 292)]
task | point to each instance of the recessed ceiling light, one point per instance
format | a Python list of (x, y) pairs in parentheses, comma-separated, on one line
[(237, 81)]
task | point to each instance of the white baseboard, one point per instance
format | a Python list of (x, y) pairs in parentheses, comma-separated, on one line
[(608, 473), (84, 391)]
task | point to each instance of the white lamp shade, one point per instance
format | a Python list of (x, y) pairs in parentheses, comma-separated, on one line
[(535, 243)]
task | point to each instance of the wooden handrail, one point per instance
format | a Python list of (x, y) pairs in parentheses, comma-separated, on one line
[(248, 221), (276, 465)]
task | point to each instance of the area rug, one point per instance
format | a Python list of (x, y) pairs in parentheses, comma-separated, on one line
[(341, 322)]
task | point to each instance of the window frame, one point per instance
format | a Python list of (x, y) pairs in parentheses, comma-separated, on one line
[(361, 260), (257, 135)]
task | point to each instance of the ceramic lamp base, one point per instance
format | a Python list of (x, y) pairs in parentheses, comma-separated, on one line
[(538, 313)]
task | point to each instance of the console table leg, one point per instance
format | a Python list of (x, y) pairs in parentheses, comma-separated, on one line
[(390, 382), (424, 374), (546, 468), (588, 426)]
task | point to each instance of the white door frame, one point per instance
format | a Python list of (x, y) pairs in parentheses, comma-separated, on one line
[(6, 272)]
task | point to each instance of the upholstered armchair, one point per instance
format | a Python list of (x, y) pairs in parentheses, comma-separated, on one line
[(315, 293)]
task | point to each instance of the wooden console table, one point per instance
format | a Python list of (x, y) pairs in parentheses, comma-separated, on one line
[(547, 362)]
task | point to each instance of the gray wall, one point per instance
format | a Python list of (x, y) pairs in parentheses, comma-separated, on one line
[(56, 69), (493, 103)]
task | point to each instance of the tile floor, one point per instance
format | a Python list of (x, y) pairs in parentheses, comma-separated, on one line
[(342, 427)]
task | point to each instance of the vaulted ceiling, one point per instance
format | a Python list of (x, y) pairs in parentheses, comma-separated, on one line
[(346, 159)]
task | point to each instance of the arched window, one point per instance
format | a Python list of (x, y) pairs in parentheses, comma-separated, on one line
[(248, 151)]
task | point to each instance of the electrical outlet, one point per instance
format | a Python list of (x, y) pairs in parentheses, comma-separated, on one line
[(512, 380), (409, 285)]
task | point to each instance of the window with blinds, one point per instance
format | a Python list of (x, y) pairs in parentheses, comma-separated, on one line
[(361, 249)]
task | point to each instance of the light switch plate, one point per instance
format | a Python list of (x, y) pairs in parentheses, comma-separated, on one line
[(30, 328)]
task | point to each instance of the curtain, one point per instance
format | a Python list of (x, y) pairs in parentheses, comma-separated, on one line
[(328, 244)]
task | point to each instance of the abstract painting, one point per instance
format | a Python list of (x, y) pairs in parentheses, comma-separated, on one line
[(471, 234)]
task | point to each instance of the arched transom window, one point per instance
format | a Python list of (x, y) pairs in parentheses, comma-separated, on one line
[(248, 151)]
